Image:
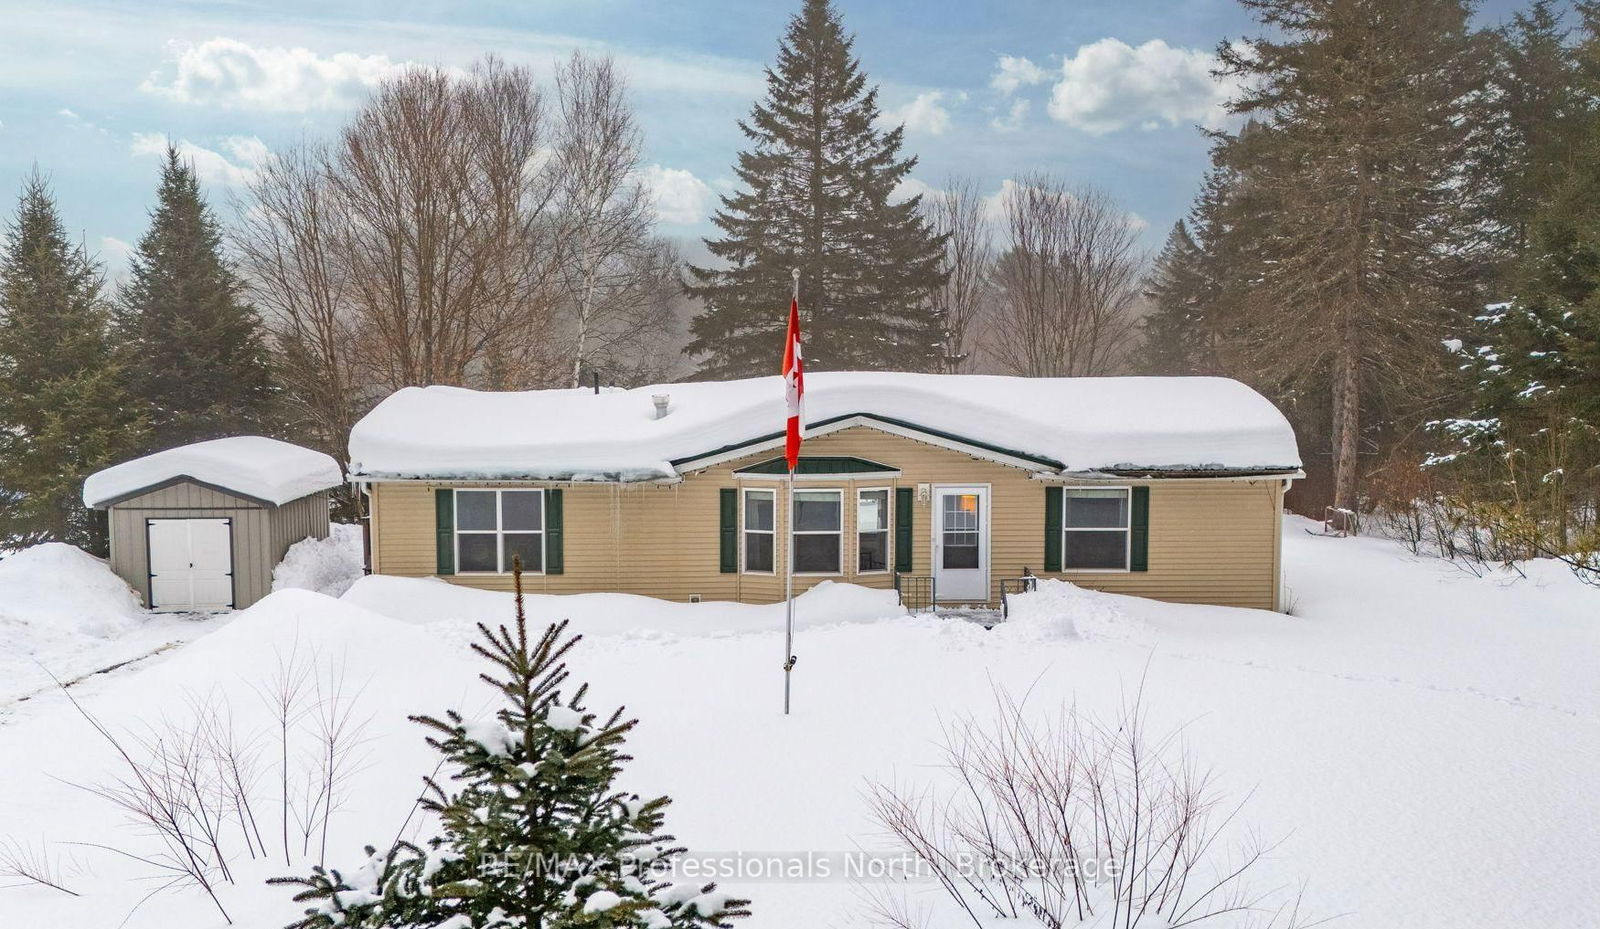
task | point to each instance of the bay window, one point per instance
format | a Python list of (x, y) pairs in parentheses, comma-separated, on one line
[(759, 531), (872, 530), (817, 518)]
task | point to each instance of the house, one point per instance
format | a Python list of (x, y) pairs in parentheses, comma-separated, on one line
[(200, 527), (946, 485)]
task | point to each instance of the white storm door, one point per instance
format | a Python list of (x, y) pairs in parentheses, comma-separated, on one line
[(961, 543), (191, 564)]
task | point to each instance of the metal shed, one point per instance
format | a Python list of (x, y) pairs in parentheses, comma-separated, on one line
[(201, 527)]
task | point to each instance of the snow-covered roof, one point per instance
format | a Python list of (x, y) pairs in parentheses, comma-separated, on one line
[(250, 465), (1069, 425)]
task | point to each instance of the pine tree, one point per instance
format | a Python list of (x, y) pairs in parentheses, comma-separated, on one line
[(537, 836), (63, 411), (1532, 436), (1525, 128), (1357, 143), (816, 187), (1173, 330), (197, 356)]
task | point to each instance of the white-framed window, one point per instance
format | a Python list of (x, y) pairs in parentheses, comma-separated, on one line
[(817, 518), (872, 530), (495, 526), (1095, 528), (760, 531)]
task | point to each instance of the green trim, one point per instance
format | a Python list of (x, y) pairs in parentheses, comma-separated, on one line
[(728, 562), (1052, 528), (444, 517), (819, 464), (1011, 452), (1139, 531), (554, 534), (902, 529)]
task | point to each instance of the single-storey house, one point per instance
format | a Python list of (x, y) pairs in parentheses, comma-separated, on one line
[(200, 527), (1169, 488)]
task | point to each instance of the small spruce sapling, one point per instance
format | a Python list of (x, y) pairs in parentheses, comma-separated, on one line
[(536, 835)]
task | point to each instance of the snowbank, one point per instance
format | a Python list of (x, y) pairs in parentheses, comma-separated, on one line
[(426, 601), (1076, 424), (328, 566), (1061, 609), (54, 591), (258, 467)]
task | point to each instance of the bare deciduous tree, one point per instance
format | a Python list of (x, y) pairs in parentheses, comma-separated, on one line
[(1066, 282), (960, 214), (604, 211), (1073, 822), (443, 225), (461, 230)]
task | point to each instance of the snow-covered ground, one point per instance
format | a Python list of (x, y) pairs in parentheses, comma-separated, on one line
[(1425, 743)]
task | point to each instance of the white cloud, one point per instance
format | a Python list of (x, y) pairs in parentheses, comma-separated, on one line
[(923, 115), (227, 72), (910, 187), (1110, 85), (65, 113), (245, 154), (680, 198), (1012, 72), (115, 253), (1013, 119)]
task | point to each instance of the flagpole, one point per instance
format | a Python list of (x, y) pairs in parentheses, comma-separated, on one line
[(788, 579)]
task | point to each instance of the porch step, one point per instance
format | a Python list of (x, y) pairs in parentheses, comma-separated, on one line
[(982, 615)]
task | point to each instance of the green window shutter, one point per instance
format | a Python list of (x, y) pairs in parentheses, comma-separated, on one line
[(1139, 537), (554, 539), (902, 529), (1052, 528), (444, 514), (730, 531)]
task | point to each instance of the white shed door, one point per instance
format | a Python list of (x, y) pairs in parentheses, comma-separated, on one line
[(191, 564)]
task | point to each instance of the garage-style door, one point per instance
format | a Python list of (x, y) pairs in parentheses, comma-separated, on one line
[(191, 564)]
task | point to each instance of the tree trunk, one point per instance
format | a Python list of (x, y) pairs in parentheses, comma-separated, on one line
[(1347, 420)]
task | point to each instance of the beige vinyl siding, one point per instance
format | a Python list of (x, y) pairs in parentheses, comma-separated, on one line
[(260, 534), (1210, 541)]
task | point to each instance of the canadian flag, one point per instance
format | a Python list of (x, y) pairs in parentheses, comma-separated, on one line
[(794, 384)]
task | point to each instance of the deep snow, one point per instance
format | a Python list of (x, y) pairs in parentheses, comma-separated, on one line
[(1425, 742), (267, 469), (64, 613), (327, 566), (1084, 423)]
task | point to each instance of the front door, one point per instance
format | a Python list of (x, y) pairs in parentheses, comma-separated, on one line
[(191, 564), (961, 543)]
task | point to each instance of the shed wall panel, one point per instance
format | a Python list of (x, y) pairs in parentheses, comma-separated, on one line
[(260, 535)]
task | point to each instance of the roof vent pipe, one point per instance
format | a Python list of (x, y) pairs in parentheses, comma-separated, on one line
[(660, 400)]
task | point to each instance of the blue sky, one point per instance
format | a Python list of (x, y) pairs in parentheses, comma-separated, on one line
[(1105, 93)]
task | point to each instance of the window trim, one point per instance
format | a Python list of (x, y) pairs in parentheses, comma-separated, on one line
[(887, 530), (744, 550), (839, 533), (1127, 530), (499, 533)]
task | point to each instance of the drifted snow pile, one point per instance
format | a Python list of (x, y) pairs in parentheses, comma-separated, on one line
[(1061, 609), (328, 566), (444, 607), (54, 591)]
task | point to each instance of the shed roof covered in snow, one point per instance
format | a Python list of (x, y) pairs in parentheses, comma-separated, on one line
[(1055, 425), (252, 466)]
